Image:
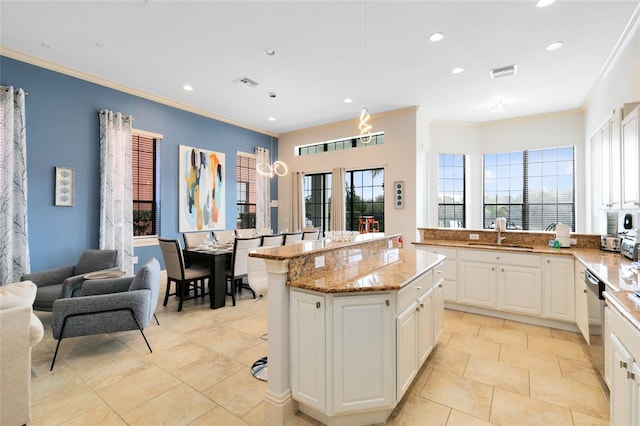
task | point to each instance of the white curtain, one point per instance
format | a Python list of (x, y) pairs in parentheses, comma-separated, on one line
[(14, 243), (116, 205), (297, 202), (263, 192), (337, 199)]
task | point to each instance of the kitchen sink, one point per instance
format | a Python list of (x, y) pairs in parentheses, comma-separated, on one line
[(503, 245)]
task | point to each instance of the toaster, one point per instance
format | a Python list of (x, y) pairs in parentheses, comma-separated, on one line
[(610, 243)]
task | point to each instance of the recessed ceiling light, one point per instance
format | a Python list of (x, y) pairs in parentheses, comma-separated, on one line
[(436, 36), (545, 3), (554, 46), (187, 87), (272, 118), (457, 70), (348, 100), (269, 52)]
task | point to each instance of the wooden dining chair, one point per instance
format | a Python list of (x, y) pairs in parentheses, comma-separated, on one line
[(238, 271), (185, 278)]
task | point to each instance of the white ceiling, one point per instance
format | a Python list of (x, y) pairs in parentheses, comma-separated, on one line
[(322, 48)]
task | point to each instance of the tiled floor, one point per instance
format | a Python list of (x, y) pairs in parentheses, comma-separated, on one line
[(483, 371)]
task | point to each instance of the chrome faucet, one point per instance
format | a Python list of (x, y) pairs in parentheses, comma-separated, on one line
[(500, 237)]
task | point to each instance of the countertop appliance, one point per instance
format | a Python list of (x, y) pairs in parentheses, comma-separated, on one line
[(610, 243), (595, 307), (630, 247)]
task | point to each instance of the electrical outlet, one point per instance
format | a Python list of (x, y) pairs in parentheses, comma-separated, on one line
[(319, 261), (474, 236)]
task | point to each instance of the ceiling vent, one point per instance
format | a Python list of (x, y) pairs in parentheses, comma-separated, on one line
[(246, 81), (503, 72)]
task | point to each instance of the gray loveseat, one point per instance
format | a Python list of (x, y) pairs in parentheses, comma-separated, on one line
[(63, 282)]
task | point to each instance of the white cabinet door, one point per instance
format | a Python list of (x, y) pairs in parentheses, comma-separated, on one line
[(558, 288), (308, 362), (520, 289), (425, 326), (407, 350), (606, 167), (438, 310), (621, 389), (363, 353), (631, 160), (616, 160), (581, 301), (477, 284), (635, 394), (606, 333)]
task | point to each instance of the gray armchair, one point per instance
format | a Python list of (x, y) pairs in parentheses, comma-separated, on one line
[(108, 306), (63, 282)]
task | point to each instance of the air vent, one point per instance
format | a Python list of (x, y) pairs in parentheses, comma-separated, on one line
[(246, 81), (503, 72)]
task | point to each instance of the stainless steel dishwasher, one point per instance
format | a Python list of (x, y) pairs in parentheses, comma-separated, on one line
[(595, 307)]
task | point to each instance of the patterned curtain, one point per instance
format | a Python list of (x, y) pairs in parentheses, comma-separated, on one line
[(263, 191), (14, 243), (297, 202), (116, 204), (337, 200)]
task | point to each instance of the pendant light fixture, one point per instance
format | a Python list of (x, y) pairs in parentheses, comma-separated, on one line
[(364, 126)]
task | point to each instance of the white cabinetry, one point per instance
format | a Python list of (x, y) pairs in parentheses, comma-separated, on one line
[(623, 356), (353, 370), (631, 160), (448, 268), (609, 139), (363, 353), (414, 329), (499, 280), (438, 302), (581, 301), (558, 288)]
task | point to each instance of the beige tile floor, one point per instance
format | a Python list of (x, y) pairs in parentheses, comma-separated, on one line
[(483, 371)]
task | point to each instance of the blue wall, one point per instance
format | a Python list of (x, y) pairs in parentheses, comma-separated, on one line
[(63, 130)]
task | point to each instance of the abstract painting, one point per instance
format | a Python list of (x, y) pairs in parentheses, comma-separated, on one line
[(201, 189)]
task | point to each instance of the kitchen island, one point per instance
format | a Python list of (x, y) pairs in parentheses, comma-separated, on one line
[(349, 326)]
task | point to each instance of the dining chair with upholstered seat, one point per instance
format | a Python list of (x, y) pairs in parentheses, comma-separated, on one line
[(185, 278), (292, 238), (311, 234), (246, 233), (224, 237), (194, 239), (272, 240), (238, 271)]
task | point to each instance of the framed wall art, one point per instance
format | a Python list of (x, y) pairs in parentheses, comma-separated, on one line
[(201, 189), (65, 186)]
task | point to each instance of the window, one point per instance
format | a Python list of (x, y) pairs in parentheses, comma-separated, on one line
[(317, 200), (245, 191), (365, 197), (451, 191), (533, 189), (338, 145), (145, 172)]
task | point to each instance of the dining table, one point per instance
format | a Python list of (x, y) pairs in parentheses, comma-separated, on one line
[(218, 257)]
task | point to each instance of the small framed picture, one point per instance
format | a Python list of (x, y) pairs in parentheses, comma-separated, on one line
[(65, 186)]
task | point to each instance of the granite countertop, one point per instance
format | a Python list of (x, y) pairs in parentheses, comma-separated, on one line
[(389, 270)]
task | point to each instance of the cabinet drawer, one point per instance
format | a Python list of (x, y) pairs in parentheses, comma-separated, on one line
[(413, 290), (445, 251), (501, 257), (626, 332)]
